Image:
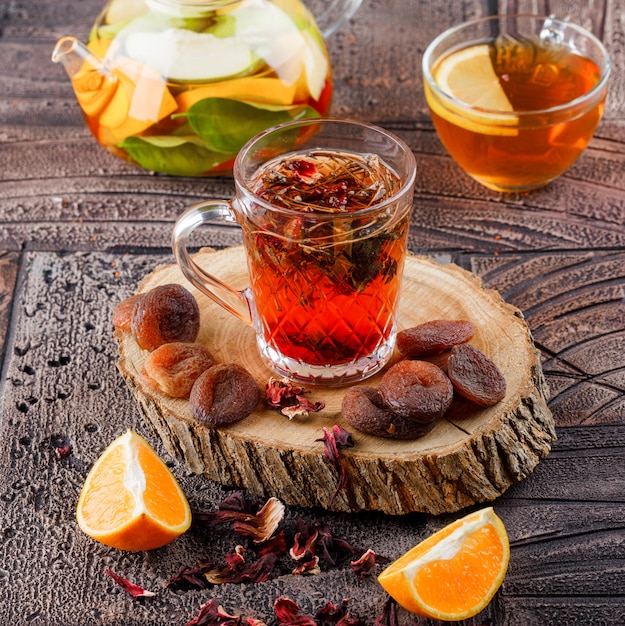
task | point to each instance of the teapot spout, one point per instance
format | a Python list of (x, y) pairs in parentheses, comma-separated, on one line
[(73, 54)]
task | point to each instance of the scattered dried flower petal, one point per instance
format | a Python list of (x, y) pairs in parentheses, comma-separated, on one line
[(365, 565), (237, 558), (304, 541), (288, 613), (275, 545), (191, 577), (310, 567), (63, 451), (343, 437), (331, 612), (317, 540), (389, 616), (131, 588), (350, 621), (236, 502), (333, 440), (212, 614), (288, 399), (338, 615), (256, 571), (260, 526)]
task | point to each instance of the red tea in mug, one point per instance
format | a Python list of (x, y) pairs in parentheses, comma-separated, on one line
[(325, 275), (324, 206)]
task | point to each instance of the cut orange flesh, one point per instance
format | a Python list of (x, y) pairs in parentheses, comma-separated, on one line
[(130, 499), (453, 574)]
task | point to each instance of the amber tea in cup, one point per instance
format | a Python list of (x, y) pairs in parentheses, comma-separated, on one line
[(515, 99), (324, 206)]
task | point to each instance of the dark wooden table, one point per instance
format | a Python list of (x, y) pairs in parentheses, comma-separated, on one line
[(79, 228)]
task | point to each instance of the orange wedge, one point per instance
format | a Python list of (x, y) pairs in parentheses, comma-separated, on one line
[(455, 573), (130, 499), (469, 77)]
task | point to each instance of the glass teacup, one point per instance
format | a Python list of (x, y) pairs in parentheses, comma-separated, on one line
[(324, 206), (515, 99)]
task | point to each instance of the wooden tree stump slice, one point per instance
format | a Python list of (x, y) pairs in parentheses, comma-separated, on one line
[(471, 456)]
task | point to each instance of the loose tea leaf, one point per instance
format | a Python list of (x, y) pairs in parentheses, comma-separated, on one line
[(350, 251), (325, 180)]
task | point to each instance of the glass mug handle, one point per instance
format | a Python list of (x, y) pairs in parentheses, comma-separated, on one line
[(233, 300)]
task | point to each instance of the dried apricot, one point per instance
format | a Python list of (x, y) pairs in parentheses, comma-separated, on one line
[(364, 409), (416, 390), (173, 367), (164, 314), (122, 313), (223, 394), (475, 376), (440, 359), (432, 337)]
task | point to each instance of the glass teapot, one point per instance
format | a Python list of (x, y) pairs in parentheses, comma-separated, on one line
[(178, 86)]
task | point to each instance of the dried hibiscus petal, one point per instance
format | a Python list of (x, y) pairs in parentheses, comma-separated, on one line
[(238, 571), (260, 526), (237, 502), (337, 615), (365, 565), (289, 399), (236, 558), (317, 540), (310, 567), (333, 440), (131, 588), (331, 612), (288, 612), (389, 614), (191, 577), (212, 614), (63, 451), (304, 540), (275, 545)]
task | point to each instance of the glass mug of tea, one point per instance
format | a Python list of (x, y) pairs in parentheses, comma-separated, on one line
[(515, 99), (324, 206)]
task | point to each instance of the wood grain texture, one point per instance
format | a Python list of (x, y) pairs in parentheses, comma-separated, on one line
[(471, 456)]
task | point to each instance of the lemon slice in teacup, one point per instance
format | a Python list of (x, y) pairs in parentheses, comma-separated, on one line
[(469, 78)]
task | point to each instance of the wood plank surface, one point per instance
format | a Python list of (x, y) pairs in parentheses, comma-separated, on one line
[(79, 229)]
